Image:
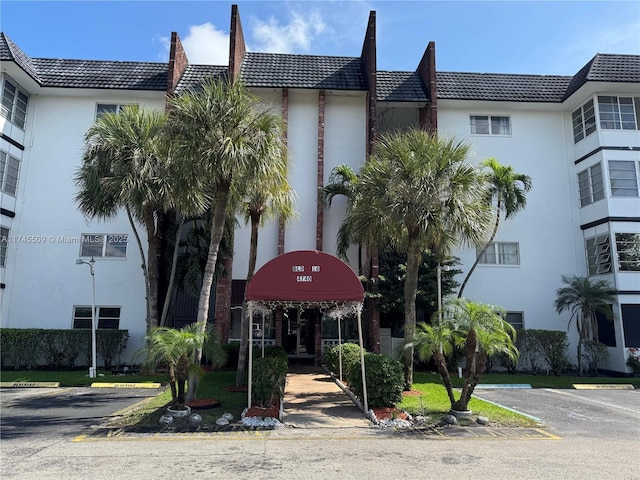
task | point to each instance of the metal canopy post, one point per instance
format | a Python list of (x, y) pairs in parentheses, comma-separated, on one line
[(340, 346), (362, 369), (250, 355)]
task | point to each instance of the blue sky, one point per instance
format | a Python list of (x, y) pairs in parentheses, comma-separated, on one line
[(542, 37)]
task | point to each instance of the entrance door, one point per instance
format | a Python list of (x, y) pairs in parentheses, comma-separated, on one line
[(299, 333)]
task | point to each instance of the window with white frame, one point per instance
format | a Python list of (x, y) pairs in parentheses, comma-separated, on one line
[(490, 125), (102, 108), (104, 245), (590, 185), (14, 103), (501, 253), (584, 121), (598, 251), (623, 176), (4, 243), (107, 317), (9, 170), (628, 250), (515, 319), (618, 113)]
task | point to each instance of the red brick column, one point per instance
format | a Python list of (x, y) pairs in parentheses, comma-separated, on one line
[(320, 170)]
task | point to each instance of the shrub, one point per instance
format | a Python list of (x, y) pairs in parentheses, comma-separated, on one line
[(551, 346), (232, 350), (385, 380), (596, 354), (52, 346), (633, 360), (110, 345), (273, 351), (20, 347), (268, 382), (350, 355)]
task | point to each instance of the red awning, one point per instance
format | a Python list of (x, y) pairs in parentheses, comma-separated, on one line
[(305, 276)]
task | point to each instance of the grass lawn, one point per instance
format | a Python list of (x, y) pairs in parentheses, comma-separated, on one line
[(434, 403)]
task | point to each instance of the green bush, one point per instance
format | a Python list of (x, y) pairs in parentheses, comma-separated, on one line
[(350, 355), (110, 345), (551, 346), (268, 381), (24, 347), (596, 354), (272, 351), (385, 380)]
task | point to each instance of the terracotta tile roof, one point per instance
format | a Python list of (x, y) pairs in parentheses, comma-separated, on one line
[(302, 71), (400, 87)]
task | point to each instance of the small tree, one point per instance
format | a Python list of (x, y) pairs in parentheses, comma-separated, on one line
[(584, 298), (482, 331), (176, 350)]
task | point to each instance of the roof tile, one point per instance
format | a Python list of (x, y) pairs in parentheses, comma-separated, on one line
[(400, 87)]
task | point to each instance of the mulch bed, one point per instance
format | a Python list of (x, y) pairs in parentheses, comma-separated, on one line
[(233, 388), (255, 411), (203, 403), (390, 412)]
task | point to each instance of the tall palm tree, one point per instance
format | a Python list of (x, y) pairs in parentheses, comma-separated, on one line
[(267, 197), (221, 136), (507, 190), (584, 298), (124, 165), (479, 328), (418, 192)]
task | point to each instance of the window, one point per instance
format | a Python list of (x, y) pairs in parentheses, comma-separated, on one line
[(103, 108), (14, 103), (618, 113), (630, 324), (4, 243), (584, 121), (628, 250), (103, 245), (9, 169), (590, 186), (623, 176), (501, 253), (598, 254), (108, 317), (490, 125), (515, 319)]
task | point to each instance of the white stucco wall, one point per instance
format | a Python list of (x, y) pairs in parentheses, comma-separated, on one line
[(43, 281), (547, 230)]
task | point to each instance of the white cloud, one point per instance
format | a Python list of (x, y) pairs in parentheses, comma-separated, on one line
[(204, 44), (297, 35)]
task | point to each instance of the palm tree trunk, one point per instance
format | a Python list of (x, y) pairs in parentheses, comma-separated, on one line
[(244, 319), (410, 290), (144, 262), (217, 231), (484, 249), (152, 265), (441, 364), (470, 367), (172, 276)]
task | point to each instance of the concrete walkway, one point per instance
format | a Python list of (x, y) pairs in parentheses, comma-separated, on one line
[(313, 400)]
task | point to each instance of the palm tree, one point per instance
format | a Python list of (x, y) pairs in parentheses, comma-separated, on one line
[(268, 196), (507, 190), (342, 181), (418, 192), (220, 135), (479, 328), (585, 299), (124, 166), (176, 351)]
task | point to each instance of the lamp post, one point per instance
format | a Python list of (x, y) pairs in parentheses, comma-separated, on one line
[(91, 263)]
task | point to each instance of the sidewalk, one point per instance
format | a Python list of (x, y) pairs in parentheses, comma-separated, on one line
[(313, 400)]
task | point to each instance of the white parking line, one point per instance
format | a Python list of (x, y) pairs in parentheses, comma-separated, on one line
[(618, 407)]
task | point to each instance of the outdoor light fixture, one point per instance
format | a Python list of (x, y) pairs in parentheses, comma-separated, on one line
[(91, 263)]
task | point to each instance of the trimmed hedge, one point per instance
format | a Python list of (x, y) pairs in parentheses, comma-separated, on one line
[(350, 355), (268, 382), (55, 348), (385, 380)]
